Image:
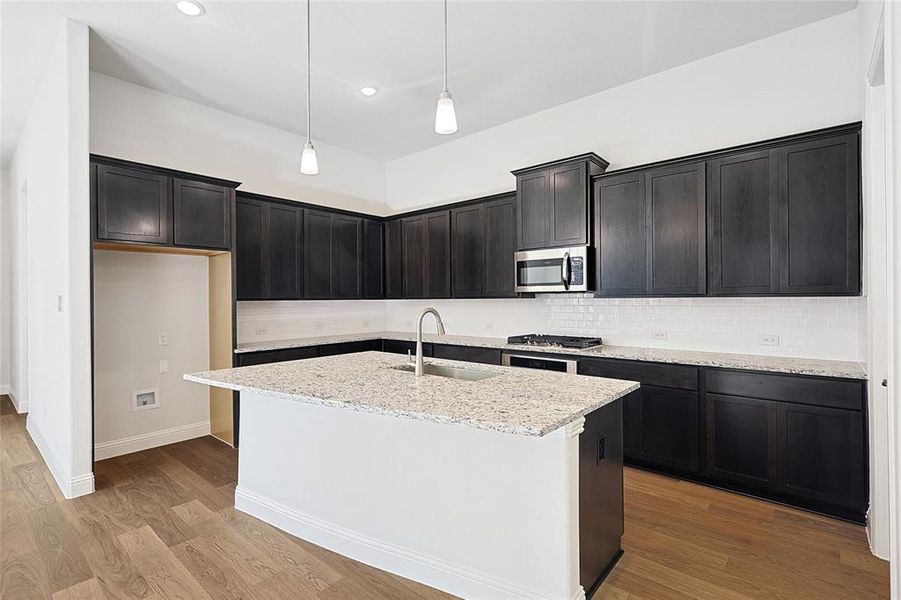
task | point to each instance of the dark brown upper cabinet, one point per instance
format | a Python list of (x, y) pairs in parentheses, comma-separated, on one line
[(268, 250), (394, 259), (332, 265), (742, 217), (621, 236), (554, 202), (133, 205), (437, 263), (373, 259), (819, 216), (676, 230), (202, 214), (500, 244), (413, 255), (142, 204), (651, 231), (468, 247)]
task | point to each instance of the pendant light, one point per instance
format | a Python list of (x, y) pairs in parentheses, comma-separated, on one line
[(309, 163), (445, 116)]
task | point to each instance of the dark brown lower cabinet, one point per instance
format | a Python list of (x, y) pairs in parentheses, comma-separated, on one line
[(667, 427), (488, 356), (741, 439)]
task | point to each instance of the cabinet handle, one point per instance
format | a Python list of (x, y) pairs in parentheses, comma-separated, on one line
[(885, 383), (565, 270)]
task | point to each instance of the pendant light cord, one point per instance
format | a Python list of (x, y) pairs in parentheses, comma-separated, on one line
[(309, 46), (445, 45)]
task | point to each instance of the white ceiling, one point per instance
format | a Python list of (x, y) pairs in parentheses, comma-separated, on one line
[(507, 58)]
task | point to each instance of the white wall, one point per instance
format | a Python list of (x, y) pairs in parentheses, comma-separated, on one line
[(137, 296), (803, 79), (136, 123), (51, 272), (5, 280)]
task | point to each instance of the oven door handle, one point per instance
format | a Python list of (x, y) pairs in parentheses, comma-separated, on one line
[(566, 270)]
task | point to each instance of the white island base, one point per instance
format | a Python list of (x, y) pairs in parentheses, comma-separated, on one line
[(476, 513)]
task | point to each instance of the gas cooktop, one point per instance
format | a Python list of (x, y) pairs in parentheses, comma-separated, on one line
[(565, 341)]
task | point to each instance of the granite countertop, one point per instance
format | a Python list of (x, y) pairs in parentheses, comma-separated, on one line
[(516, 401), (753, 362)]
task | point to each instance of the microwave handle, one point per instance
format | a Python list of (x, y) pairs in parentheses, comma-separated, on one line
[(566, 271)]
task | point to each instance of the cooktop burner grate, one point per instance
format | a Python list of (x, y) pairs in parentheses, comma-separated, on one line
[(565, 341)]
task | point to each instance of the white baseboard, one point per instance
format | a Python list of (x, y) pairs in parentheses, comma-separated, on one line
[(435, 572), (145, 441), (70, 486), (21, 406)]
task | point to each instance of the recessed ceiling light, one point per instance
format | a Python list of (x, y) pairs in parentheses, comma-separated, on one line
[(190, 8), (369, 90)]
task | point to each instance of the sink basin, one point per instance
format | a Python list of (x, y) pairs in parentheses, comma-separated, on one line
[(450, 372)]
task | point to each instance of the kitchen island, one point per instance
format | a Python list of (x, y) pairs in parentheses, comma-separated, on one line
[(483, 481)]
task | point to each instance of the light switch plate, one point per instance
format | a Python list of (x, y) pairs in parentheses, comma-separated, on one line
[(164, 366), (658, 335), (162, 338)]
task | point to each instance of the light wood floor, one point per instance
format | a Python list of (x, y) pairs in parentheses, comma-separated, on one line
[(162, 525)]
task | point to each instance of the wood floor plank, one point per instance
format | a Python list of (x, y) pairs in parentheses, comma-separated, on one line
[(116, 573), (165, 523), (16, 450), (58, 547), (219, 579), (31, 481), (160, 567), (86, 590), (24, 576)]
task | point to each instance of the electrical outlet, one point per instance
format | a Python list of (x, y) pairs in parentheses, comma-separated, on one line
[(365, 324), (260, 331), (489, 326), (319, 325), (658, 335), (164, 366), (768, 339), (162, 338)]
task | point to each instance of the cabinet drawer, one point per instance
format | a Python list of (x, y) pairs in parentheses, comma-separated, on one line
[(349, 347), (402, 347), (673, 376), (271, 356), (834, 393), (488, 356)]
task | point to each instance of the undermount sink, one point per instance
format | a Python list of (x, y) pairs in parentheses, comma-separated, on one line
[(450, 372)]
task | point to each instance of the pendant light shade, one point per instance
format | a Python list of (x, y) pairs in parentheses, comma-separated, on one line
[(445, 115), (309, 162)]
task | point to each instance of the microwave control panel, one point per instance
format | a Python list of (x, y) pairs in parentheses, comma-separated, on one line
[(577, 264)]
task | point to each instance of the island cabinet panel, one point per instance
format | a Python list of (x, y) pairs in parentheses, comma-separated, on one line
[(413, 251), (468, 251), (250, 270), (741, 439), (676, 216), (500, 245), (202, 214), (621, 220), (437, 263), (488, 356), (742, 214), (394, 259), (373, 259), (819, 203), (822, 454), (133, 205)]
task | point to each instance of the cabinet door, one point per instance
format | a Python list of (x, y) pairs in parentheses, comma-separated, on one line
[(668, 427), (317, 255), (133, 205), (742, 224), (622, 248), (202, 214), (394, 259), (250, 273), (500, 244), (373, 259), (413, 256), (346, 265), (741, 439), (468, 250), (569, 205), (819, 211), (533, 195), (822, 454), (437, 255), (676, 230), (283, 252)]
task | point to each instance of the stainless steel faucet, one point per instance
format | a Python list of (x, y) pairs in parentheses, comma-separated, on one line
[(419, 365)]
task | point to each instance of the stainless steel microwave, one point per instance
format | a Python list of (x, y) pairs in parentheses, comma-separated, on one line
[(552, 270)]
